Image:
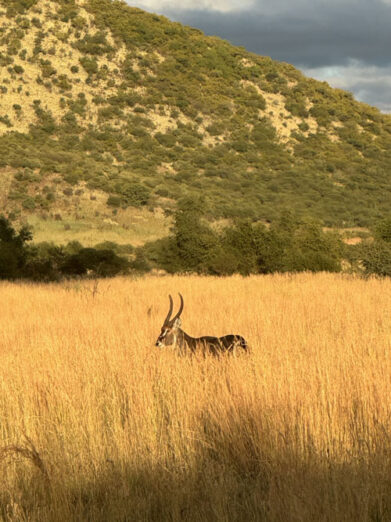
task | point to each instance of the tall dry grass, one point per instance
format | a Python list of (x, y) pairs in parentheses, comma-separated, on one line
[(96, 423)]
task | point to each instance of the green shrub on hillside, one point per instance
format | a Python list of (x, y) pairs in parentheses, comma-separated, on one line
[(95, 44), (131, 193), (19, 6), (90, 65)]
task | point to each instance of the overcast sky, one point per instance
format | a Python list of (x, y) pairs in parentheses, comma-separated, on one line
[(345, 42)]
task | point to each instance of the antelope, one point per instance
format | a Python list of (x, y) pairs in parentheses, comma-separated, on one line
[(172, 335)]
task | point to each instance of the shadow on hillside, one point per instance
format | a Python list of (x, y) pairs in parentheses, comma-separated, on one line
[(230, 476)]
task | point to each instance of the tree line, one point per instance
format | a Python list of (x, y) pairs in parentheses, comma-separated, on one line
[(49, 262), (195, 246), (288, 244)]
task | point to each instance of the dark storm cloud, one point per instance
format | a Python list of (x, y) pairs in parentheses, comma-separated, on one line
[(306, 33), (345, 42)]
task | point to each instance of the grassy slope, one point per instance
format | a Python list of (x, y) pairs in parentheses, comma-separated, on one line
[(134, 227), (298, 430), (104, 97)]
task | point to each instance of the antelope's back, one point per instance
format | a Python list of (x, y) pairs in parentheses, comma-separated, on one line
[(227, 343), (230, 342)]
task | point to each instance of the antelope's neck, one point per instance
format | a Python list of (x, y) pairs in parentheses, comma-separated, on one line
[(183, 340)]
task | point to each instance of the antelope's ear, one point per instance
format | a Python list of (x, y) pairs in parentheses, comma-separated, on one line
[(177, 323)]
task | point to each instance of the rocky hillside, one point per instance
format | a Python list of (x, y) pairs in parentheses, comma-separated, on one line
[(105, 108)]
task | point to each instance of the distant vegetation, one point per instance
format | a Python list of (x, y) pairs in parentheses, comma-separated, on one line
[(376, 256), (289, 245), (48, 262), (150, 111)]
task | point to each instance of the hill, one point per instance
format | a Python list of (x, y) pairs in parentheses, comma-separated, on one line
[(109, 115)]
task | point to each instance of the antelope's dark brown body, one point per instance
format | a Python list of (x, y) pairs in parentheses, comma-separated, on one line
[(172, 335)]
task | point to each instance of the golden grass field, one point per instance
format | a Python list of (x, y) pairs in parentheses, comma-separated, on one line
[(98, 424)]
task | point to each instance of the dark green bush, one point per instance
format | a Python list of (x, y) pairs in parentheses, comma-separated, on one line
[(115, 247), (13, 250), (140, 262), (382, 230), (114, 201), (101, 263), (132, 193), (28, 203), (44, 262), (90, 65), (376, 258), (376, 255), (167, 140), (18, 69)]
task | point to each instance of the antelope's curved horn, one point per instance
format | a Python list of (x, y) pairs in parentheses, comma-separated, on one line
[(180, 308), (167, 319)]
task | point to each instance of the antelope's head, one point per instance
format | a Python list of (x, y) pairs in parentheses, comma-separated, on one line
[(168, 335)]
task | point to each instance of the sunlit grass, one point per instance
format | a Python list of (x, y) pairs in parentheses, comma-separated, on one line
[(130, 226), (96, 423)]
